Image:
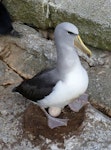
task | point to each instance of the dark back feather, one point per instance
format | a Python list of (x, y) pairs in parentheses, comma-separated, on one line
[(38, 87)]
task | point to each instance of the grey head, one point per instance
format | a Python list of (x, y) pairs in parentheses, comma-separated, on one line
[(65, 33)]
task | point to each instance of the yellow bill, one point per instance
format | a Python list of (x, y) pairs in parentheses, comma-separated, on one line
[(79, 43)]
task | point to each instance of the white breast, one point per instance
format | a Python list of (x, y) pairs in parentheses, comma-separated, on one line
[(68, 89)]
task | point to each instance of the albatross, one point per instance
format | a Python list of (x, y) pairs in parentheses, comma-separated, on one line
[(63, 85)]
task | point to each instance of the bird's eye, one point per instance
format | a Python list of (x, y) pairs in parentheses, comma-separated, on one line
[(71, 33)]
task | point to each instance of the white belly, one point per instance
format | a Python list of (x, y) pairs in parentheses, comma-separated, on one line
[(67, 90)]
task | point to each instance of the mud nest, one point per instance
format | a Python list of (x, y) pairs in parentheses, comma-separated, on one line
[(35, 123)]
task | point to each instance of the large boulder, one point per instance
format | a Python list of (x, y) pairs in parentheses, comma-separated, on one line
[(91, 17)]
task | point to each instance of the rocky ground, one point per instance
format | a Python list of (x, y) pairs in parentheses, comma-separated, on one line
[(22, 123)]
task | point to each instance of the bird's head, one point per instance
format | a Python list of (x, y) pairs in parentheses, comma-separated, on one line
[(68, 33)]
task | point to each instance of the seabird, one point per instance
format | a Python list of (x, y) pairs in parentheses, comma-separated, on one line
[(6, 27), (63, 85)]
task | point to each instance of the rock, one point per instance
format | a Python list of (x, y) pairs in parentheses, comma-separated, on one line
[(100, 85), (7, 76), (29, 54), (11, 108), (24, 126), (91, 17)]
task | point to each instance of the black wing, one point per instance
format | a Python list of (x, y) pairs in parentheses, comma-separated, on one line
[(5, 20), (6, 23), (38, 87)]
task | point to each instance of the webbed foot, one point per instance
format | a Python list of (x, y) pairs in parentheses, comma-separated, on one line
[(79, 103), (55, 122)]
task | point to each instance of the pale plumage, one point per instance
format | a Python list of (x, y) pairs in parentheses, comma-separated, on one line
[(66, 90)]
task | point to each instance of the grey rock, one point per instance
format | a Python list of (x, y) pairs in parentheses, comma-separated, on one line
[(91, 17), (100, 88), (94, 133), (7, 76), (25, 57), (100, 85), (11, 107), (95, 129), (29, 54)]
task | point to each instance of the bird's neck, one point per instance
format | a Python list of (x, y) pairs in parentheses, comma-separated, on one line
[(67, 59)]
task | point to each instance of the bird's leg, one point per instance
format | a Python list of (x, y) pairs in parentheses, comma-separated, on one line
[(54, 122), (79, 103)]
